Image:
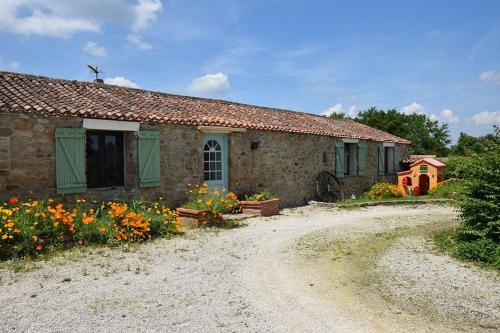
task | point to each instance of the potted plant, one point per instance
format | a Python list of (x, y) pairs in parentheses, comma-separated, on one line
[(263, 203), (205, 208)]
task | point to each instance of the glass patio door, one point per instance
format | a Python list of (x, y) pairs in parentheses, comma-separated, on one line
[(215, 157)]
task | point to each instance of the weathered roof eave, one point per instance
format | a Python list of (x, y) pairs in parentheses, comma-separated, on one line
[(56, 97)]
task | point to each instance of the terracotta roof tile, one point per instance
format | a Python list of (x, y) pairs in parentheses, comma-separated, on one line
[(55, 97)]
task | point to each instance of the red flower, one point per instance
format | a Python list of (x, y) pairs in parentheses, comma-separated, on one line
[(14, 200)]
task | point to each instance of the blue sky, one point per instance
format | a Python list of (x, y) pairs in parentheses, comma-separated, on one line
[(437, 57)]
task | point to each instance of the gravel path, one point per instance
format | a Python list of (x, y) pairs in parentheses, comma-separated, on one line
[(263, 277)]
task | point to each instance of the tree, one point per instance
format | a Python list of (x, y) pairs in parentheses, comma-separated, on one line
[(336, 115), (468, 144), (426, 135)]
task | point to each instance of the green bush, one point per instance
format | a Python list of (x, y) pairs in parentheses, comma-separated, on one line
[(457, 166), (484, 251), (262, 196), (479, 234), (383, 191)]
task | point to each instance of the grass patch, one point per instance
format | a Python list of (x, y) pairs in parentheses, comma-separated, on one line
[(451, 189)]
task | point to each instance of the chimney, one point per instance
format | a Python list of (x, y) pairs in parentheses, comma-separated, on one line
[(101, 81)]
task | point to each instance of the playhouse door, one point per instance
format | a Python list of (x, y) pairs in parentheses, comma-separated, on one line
[(423, 184), (215, 161)]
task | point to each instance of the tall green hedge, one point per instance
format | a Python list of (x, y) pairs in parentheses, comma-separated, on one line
[(479, 233)]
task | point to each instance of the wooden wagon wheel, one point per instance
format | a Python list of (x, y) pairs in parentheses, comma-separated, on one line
[(328, 188)]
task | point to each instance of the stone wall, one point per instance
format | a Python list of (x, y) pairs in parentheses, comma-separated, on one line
[(285, 164)]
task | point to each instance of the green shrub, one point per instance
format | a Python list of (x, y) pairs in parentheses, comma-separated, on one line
[(262, 196), (479, 234), (484, 251), (456, 166), (383, 191)]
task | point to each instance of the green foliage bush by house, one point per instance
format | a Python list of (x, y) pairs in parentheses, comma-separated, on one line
[(261, 196), (383, 191), (479, 233)]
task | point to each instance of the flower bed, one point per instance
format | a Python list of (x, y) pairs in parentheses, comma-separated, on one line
[(205, 208), (34, 227), (263, 204)]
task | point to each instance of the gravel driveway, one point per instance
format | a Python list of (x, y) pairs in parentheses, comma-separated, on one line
[(273, 275)]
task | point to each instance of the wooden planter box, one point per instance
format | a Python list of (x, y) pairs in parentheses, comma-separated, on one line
[(263, 208), (191, 218)]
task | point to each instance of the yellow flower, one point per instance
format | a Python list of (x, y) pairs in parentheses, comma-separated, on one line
[(5, 236), (34, 238), (209, 202), (7, 212)]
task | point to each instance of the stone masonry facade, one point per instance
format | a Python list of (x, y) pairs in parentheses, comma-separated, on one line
[(286, 164)]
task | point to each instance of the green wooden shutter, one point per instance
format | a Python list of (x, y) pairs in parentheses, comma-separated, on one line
[(361, 159), (339, 159), (397, 157), (149, 158), (70, 160), (381, 160)]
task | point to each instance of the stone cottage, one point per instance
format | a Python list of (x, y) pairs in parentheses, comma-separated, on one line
[(80, 139)]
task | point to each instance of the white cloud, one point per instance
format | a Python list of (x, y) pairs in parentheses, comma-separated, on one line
[(413, 108), (487, 118), (145, 12), (490, 76), (353, 111), (449, 117), (121, 81), (210, 83), (94, 49), (337, 108), (138, 42), (433, 117), (40, 20), (12, 66)]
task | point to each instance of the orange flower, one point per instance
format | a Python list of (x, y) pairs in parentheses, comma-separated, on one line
[(88, 219), (39, 248)]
